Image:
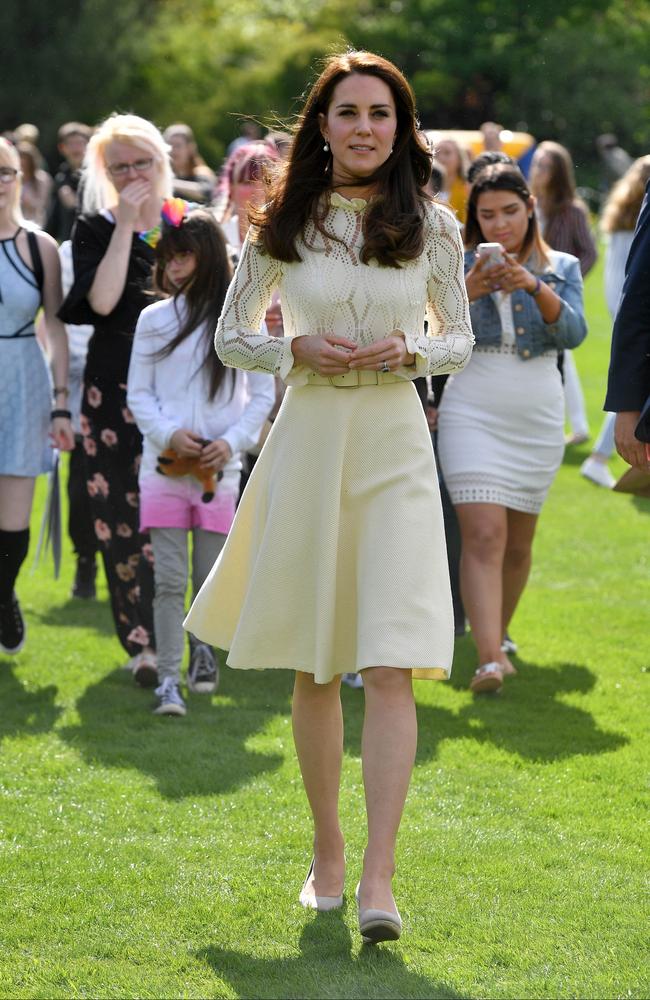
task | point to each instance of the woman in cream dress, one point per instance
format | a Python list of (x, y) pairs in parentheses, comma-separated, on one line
[(336, 561)]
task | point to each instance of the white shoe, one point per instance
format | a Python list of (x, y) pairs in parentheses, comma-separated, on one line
[(597, 472), (352, 680), (575, 438)]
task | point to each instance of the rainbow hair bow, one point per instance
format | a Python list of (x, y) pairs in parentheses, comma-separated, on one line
[(173, 212)]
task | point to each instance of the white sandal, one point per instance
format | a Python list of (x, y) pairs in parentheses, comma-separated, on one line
[(488, 678)]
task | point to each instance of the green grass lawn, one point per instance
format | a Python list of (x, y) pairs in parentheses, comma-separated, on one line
[(161, 857)]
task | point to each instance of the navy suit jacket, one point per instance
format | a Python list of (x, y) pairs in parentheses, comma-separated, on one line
[(628, 384)]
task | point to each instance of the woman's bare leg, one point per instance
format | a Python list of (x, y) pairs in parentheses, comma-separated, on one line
[(517, 561), (318, 736), (484, 533), (388, 751), (16, 496)]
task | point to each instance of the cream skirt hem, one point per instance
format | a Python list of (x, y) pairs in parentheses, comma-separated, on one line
[(336, 559)]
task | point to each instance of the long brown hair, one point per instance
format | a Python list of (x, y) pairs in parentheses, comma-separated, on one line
[(505, 177), (204, 292), (393, 224), (624, 202), (560, 190)]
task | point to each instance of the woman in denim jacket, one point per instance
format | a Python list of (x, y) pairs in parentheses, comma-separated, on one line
[(501, 420)]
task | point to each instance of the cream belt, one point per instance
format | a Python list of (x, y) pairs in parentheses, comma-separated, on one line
[(353, 379)]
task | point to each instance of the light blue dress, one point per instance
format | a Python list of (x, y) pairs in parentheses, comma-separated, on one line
[(25, 379)]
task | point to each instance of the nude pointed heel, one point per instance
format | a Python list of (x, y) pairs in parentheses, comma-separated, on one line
[(378, 925), (314, 902)]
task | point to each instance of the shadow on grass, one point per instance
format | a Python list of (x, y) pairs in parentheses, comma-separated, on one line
[(325, 968), (528, 718), (24, 711), (642, 504), (79, 614), (204, 753)]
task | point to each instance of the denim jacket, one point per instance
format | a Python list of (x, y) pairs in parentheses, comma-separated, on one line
[(534, 335)]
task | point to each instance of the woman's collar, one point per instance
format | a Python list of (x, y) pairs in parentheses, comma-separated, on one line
[(351, 204)]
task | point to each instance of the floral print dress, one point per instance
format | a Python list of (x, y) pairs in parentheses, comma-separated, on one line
[(111, 440)]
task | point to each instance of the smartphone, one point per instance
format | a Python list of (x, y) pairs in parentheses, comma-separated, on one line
[(490, 254)]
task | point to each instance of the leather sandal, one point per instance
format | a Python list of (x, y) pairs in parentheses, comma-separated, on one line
[(313, 902), (488, 678), (378, 925)]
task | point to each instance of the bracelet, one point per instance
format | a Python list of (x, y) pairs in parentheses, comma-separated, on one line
[(537, 289), (60, 413), (60, 390)]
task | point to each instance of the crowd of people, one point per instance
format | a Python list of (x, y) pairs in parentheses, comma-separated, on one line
[(372, 261)]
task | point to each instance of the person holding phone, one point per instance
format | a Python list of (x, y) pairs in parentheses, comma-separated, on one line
[(500, 425)]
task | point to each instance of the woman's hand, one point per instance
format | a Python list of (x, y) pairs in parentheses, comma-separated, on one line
[(484, 278), (132, 197), (215, 454), (390, 352), (186, 443), (326, 355), (516, 276), (62, 434)]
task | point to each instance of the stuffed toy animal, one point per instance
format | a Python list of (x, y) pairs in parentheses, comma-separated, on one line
[(170, 463)]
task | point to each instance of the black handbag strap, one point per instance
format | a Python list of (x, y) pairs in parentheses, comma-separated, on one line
[(37, 262)]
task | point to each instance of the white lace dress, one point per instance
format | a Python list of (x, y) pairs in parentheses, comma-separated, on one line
[(336, 560), (501, 425)]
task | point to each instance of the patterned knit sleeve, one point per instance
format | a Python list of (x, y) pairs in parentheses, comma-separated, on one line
[(447, 346), (238, 340)]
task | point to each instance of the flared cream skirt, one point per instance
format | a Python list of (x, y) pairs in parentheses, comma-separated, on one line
[(336, 560)]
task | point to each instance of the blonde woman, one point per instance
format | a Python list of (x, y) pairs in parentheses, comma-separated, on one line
[(127, 176), (30, 404), (455, 160), (619, 219)]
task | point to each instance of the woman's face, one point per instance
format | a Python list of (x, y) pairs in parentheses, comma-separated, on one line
[(360, 127), (181, 151), (447, 154), (503, 217), (180, 268), (541, 170), (8, 179), (126, 163)]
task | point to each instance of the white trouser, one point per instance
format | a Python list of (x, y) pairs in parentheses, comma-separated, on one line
[(573, 397)]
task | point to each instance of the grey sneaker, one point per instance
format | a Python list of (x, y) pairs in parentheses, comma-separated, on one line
[(203, 671), (169, 698)]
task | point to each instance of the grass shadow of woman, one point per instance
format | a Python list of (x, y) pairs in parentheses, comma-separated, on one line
[(528, 719), (204, 753), (327, 967), (24, 711)]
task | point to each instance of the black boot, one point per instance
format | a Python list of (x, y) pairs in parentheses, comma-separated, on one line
[(84, 579), (12, 626)]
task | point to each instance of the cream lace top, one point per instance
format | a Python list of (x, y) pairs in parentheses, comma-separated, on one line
[(329, 291)]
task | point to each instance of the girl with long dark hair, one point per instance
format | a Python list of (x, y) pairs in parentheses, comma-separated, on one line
[(182, 397), (336, 561)]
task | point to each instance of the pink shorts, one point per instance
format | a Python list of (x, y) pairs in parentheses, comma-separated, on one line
[(176, 503)]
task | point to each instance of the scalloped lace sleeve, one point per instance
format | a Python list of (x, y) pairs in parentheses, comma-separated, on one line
[(447, 347), (238, 340)]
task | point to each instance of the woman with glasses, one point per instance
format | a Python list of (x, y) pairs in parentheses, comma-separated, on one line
[(30, 405), (126, 179)]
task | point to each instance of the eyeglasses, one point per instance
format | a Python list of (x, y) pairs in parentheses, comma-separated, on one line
[(122, 169), (8, 174), (179, 258)]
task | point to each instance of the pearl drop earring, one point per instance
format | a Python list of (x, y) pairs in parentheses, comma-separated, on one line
[(326, 147)]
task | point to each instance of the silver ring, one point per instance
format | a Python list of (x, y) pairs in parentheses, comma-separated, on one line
[(385, 367)]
